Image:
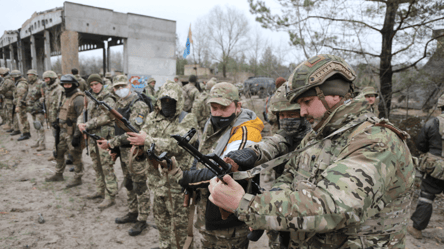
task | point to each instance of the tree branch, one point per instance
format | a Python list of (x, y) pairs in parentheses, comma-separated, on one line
[(353, 51), (421, 24), (343, 20)]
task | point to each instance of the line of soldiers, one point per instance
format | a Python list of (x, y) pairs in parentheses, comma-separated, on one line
[(345, 176)]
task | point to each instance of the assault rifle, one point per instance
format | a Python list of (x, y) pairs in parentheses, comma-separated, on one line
[(216, 165), (97, 137), (57, 137)]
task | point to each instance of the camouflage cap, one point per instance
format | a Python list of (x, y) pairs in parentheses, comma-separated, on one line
[(150, 80), (440, 101), (315, 71), (280, 103), (120, 80), (32, 71), (4, 70), (210, 85), (369, 90), (49, 74), (223, 94), (108, 75), (15, 73)]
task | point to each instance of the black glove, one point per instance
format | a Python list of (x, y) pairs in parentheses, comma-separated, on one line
[(75, 142), (55, 124), (245, 158), (190, 176)]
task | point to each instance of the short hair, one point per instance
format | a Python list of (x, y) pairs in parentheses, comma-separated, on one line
[(74, 71)]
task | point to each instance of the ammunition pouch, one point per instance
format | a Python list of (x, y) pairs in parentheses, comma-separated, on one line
[(128, 183), (69, 127), (37, 125)]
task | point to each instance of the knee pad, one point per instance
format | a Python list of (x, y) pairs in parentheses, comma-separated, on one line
[(140, 187)]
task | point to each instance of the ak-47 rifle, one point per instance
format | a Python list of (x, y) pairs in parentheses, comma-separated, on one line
[(85, 119), (97, 137), (44, 110), (216, 165)]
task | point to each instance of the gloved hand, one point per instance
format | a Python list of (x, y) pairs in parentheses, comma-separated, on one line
[(55, 124), (245, 158), (75, 141)]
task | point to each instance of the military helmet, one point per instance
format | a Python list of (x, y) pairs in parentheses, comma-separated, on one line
[(223, 94), (32, 71), (441, 101), (108, 75), (210, 85), (69, 78), (49, 74), (369, 90), (15, 73), (315, 71), (4, 70), (280, 103), (150, 80)]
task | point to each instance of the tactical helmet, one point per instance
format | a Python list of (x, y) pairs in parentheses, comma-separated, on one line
[(280, 103), (15, 73), (315, 71), (108, 75), (4, 70), (223, 94), (210, 85), (369, 90), (50, 74), (69, 78), (32, 71), (441, 101)]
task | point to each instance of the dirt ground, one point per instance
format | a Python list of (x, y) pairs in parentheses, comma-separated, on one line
[(71, 221)]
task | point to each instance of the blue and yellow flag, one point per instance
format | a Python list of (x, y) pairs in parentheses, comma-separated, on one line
[(187, 45)]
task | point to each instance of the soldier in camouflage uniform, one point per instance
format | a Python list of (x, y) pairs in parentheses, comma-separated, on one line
[(190, 93), (108, 80), (351, 188), (149, 89), (135, 110), (70, 137), (100, 122), (371, 95), (6, 89), (53, 99), (34, 107), (229, 128), (177, 80), (3, 114), (168, 118), (82, 83), (20, 93), (269, 116), (200, 107)]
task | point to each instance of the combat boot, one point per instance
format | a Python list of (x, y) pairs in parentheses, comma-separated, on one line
[(417, 234), (25, 136), (35, 145), (57, 177), (137, 228), (74, 182), (106, 204), (51, 158), (95, 195), (41, 147), (13, 133), (128, 218)]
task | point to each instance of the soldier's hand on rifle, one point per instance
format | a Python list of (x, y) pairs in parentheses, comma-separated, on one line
[(175, 172), (137, 138), (82, 127), (244, 158), (103, 144), (227, 196)]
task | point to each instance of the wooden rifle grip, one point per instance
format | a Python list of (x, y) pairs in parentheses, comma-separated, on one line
[(186, 200)]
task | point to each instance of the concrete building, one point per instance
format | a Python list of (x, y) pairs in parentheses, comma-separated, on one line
[(195, 69), (148, 42)]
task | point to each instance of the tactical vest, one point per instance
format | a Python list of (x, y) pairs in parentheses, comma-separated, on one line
[(314, 161), (68, 115), (8, 94)]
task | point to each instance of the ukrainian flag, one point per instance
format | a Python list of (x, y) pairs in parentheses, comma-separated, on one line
[(187, 45)]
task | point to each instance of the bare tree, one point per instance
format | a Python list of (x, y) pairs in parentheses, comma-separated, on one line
[(201, 43), (257, 45)]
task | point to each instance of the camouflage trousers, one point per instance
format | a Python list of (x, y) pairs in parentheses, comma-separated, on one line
[(137, 190), (40, 132), (23, 117), (273, 239), (3, 113), (230, 238), (11, 121), (65, 146), (106, 181), (171, 220)]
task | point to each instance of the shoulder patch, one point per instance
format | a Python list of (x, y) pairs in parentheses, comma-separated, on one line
[(139, 119)]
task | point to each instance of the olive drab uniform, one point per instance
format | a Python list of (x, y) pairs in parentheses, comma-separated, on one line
[(70, 110), (170, 215), (134, 110), (101, 123), (35, 108), (53, 100), (7, 89), (20, 93)]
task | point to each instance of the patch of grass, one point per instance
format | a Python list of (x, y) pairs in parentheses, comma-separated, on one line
[(59, 206), (33, 180), (71, 199), (3, 165)]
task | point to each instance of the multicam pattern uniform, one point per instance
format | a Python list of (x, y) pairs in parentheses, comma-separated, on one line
[(355, 186), (101, 123), (150, 91), (170, 219), (53, 99), (35, 108), (201, 109), (21, 90), (190, 94), (137, 191), (6, 89)]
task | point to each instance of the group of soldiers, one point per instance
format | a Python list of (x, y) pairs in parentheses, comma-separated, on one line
[(344, 176)]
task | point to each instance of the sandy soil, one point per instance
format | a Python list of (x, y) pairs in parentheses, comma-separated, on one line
[(71, 221)]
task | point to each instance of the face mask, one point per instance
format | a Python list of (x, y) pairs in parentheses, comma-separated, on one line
[(32, 77), (168, 107), (220, 122), (291, 125), (122, 92)]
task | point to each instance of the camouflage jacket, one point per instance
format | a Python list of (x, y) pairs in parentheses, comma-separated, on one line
[(82, 83), (100, 121), (53, 100), (150, 92), (201, 109), (20, 92), (7, 88), (138, 112), (159, 130), (190, 94), (35, 89), (352, 189)]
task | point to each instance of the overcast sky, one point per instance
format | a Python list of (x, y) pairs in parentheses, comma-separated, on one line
[(15, 13)]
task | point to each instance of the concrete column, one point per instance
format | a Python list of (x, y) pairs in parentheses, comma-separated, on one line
[(69, 41), (3, 61), (33, 53), (125, 56), (108, 67), (11, 57), (21, 57), (104, 59), (47, 47)]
